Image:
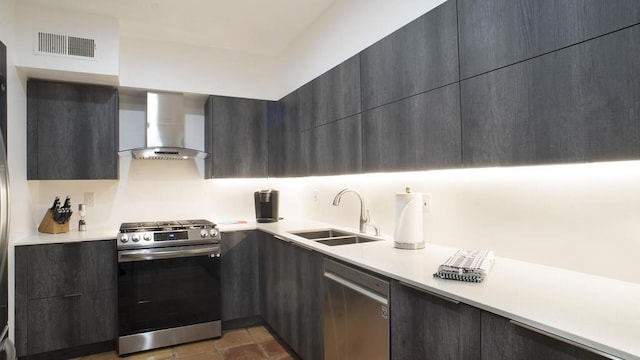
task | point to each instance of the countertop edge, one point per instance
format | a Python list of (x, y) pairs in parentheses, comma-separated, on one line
[(470, 294)]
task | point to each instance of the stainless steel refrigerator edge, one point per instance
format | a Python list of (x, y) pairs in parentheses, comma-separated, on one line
[(7, 350)]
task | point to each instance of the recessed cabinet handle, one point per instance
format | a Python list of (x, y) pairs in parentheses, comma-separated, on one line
[(564, 340), (72, 295), (430, 293), (281, 238)]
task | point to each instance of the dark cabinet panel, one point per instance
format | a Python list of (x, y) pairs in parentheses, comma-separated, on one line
[(284, 138), (21, 265), (67, 269), (331, 96), (334, 148), (576, 104), (240, 275), (502, 340), (72, 131), (418, 133), (65, 296), (291, 280), (236, 137), (421, 56), (425, 326), (336, 93), (57, 323), (52, 324), (497, 33), (273, 268), (307, 337)]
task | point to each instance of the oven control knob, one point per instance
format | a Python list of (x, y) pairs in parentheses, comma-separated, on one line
[(124, 238), (146, 237), (135, 237), (213, 232), (204, 233)]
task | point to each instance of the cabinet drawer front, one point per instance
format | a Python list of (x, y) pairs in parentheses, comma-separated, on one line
[(66, 321), (52, 324), (63, 269)]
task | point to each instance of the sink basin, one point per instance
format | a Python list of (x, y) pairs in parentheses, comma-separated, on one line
[(321, 234), (332, 237), (345, 240)]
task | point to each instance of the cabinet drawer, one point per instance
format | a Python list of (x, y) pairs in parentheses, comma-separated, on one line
[(64, 269), (66, 321)]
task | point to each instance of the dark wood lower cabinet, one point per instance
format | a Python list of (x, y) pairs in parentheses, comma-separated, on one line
[(264, 278), (424, 326), (62, 322), (240, 278), (503, 340), (59, 314), (291, 279)]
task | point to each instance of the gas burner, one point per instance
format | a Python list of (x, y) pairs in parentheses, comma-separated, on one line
[(167, 233)]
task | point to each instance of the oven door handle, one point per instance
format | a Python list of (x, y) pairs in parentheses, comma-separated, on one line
[(167, 253)]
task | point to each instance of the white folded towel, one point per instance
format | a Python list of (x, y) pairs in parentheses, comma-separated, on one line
[(466, 265)]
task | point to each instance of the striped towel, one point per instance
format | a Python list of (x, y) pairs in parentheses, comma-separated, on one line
[(466, 265)]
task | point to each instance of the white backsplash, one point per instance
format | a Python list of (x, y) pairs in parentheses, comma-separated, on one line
[(581, 217)]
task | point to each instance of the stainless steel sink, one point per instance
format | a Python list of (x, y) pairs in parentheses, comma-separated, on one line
[(332, 237), (321, 234), (346, 240)]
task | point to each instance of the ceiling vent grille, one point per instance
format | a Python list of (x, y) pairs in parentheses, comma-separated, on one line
[(70, 46)]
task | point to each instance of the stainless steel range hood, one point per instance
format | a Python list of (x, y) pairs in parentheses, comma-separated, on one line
[(165, 135)]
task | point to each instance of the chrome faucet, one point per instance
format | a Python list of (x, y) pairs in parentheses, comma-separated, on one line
[(364, 214)]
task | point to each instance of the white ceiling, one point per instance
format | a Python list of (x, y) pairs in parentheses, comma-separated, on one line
[(263, 27)]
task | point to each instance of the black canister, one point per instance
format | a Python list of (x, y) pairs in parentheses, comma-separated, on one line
[(266, 202)]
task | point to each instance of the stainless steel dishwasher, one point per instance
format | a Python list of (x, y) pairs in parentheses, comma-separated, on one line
[(356, 314)]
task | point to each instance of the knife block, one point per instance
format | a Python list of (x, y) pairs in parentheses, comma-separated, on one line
[(51, 227)]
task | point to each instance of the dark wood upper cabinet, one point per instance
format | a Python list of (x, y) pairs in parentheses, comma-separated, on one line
[(497, 33), (236, 137), (336, 93), (421, 56), (574, 105), (418, 133), (72, 131), (284, 138), (331, 96), (334, 148)]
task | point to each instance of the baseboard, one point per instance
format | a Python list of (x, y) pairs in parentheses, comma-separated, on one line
[(242, 323), (74, 352)]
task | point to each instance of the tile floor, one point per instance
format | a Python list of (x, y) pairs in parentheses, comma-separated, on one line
[(254, 343)]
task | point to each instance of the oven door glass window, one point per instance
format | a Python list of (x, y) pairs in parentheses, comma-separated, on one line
[(160, 294)]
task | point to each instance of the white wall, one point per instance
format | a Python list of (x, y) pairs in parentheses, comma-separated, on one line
[(169, 66), (582, 217), (31, 18), (343, 30)]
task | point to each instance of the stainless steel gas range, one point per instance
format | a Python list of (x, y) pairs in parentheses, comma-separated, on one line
[(168, 284)]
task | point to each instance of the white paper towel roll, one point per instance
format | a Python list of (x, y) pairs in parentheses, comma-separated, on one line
[(408, 230)]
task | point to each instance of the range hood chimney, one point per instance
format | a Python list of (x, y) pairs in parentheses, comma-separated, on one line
[(165, 135)]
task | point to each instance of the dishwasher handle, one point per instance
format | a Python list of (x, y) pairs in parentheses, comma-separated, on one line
[(355, 287)]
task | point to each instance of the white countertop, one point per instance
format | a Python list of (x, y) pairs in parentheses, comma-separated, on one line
[(71, 236), (598, 312)]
